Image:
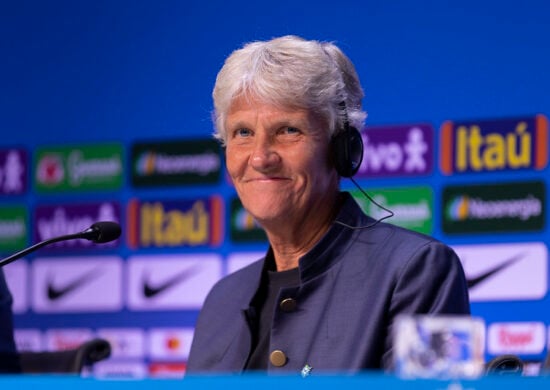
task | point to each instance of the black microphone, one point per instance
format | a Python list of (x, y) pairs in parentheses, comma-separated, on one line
[(99, 232)]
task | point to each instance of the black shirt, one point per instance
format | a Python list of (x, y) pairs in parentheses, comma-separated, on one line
[(264, 304)]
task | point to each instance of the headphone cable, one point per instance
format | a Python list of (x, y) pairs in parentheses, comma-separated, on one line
[(389, 215)]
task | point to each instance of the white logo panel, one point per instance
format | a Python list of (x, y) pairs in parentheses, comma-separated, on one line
[(77, 284), (160, 282), (16, 275), (236, 261), (28, 339), (125, 342), (170, 343), (62, 339), (107, 369), (500, 272)]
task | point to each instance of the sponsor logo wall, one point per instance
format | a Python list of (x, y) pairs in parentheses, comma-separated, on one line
[(184, 229)]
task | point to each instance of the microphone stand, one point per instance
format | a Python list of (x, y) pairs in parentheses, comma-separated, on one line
[(99, 232), (39, 245)]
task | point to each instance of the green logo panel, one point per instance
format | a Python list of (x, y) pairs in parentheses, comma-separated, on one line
[(178, 162), (489, 208), (412, 206), (13, 228), (243, 226), (87, 167)]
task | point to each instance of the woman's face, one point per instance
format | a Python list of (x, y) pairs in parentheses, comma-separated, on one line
[(278, 161)]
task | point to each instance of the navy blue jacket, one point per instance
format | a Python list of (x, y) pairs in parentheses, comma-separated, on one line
[(354, 283), (9, 359)]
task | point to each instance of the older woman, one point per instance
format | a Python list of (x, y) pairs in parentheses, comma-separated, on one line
[(333, 280)]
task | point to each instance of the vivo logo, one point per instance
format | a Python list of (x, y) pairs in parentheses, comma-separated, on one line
[(13, 171), (59, 220), (397, 151)]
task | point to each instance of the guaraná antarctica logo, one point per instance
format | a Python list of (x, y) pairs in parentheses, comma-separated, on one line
[(412, 206), (85, 167)]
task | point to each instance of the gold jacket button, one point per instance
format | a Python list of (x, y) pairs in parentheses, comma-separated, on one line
[(277, 358), (288, 304)]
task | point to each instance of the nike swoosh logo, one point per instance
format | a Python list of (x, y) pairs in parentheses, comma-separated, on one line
[(150, 291), (473, 282), (56, 292)]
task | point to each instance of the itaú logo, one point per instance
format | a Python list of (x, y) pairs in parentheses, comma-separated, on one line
[(497, 145), (174, 223)]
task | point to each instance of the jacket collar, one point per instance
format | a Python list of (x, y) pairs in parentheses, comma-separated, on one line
[(336, 241), (332, 245), (327, 252)]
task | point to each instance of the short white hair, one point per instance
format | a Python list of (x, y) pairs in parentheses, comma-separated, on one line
[(291, 72)]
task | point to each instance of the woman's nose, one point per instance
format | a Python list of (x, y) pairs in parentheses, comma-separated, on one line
[(264, 156)]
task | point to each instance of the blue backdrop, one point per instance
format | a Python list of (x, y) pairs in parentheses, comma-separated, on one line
[(140, 72)]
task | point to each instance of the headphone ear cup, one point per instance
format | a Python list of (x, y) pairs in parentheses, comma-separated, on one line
[(347, 151)]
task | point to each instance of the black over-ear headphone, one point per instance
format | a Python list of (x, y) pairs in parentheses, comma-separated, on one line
[(347, 154), (347, 148)]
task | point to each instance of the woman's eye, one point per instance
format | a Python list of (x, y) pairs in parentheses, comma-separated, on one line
[(242, 133), (291, 130)]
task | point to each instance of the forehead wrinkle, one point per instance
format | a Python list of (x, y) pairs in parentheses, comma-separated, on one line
[(276, 116)]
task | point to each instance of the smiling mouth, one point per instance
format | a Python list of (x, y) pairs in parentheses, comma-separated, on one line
[(266, 179)]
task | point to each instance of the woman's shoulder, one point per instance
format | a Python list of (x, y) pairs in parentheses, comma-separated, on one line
[(242, 281)]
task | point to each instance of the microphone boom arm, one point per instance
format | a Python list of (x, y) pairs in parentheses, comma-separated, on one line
[(39, 245), (99, 232)]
